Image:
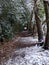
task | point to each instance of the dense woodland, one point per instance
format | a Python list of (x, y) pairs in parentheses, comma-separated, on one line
[(24, 18)]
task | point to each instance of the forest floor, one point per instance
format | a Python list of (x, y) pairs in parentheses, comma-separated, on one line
[(16, 43), (33, 55), (23, 51)]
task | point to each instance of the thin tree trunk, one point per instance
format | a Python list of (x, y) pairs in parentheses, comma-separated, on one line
[(30, 22), (46, 5), (38, 22), (34, 30)]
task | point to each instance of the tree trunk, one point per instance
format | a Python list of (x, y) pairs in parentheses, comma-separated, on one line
[(34, 30), (46, 5), (30, 22), (38, 22)]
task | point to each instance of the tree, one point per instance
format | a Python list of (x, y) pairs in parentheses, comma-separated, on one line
[(30, 22), (46, 6), (38, 22)]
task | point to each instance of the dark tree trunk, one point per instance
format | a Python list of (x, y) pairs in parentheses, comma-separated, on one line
[(34, 30), (30, 22), (39, 28), (38, 22), (46, 5)]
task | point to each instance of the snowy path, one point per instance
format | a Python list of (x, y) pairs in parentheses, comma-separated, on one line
[(28, 39), (29, 56)]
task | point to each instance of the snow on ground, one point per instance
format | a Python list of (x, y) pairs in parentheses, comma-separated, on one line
[(28, 39), (29, 56)]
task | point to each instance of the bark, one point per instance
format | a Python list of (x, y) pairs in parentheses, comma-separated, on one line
[(34, 30), (46, 5), (38, 22), (30, 22)]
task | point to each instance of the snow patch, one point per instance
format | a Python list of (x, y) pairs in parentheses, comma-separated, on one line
[(32, 56), (28, 39)]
